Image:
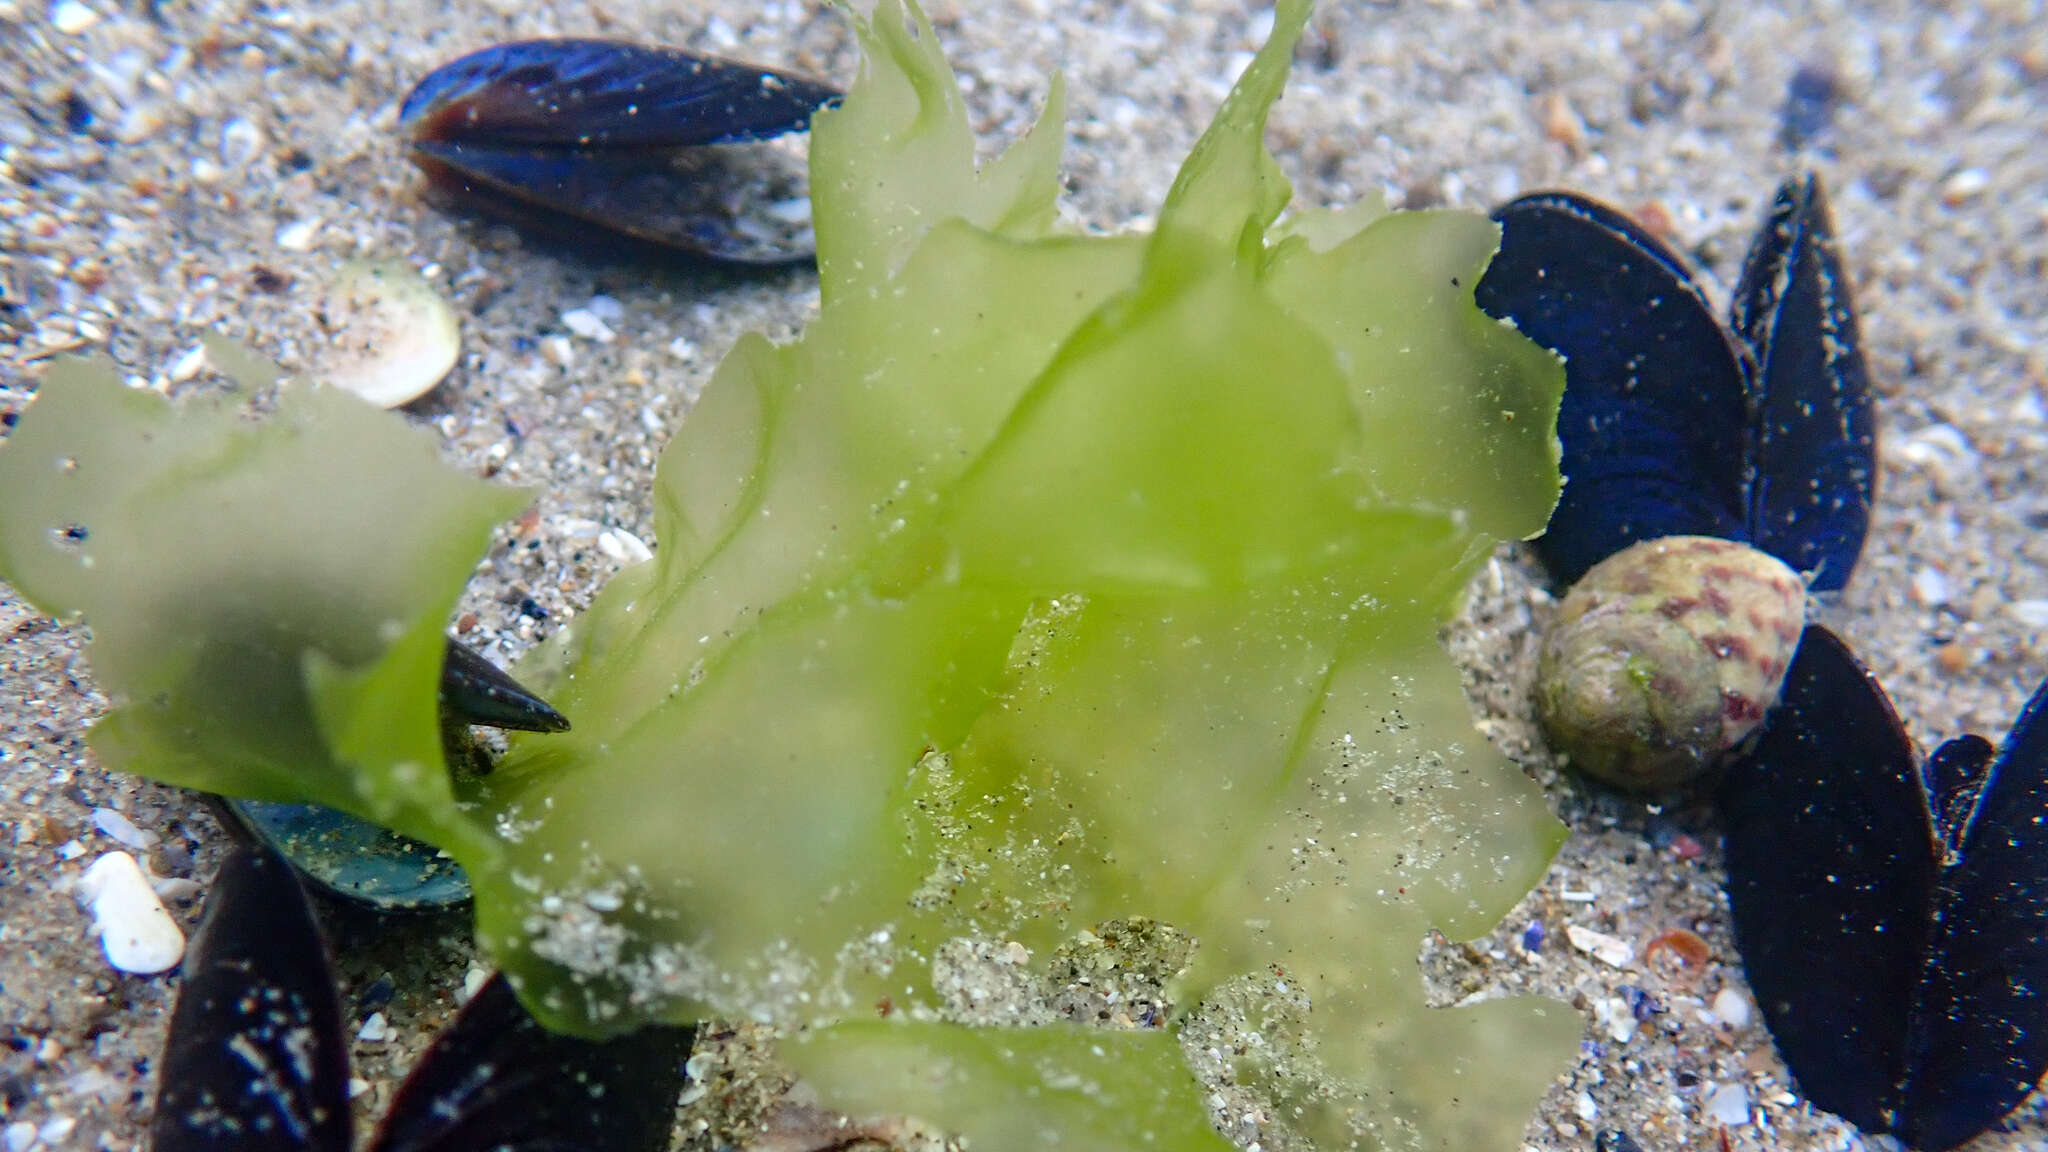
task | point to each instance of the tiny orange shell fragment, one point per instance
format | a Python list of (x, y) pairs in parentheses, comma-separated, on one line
[(1683, 944)]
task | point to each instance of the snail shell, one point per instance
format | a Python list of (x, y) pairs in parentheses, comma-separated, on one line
[(1666, 655)]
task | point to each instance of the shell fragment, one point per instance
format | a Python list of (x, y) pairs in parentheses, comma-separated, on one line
[(394, 336)]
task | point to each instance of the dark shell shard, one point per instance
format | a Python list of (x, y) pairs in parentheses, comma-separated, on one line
[(352, 858), (1815, 449), (1893, 918), (1653, 421), (476, 691), (257, 1061), (657, 145), (1671, 425)]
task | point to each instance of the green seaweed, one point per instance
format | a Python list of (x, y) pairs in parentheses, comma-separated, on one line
[(1045, 579)]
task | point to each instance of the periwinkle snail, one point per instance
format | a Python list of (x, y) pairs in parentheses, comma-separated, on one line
[(1714, 475)]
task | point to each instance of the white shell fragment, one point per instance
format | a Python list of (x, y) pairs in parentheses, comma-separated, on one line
[(394, 336), (138, 934), (1727, 1105), (122, 829), (70, 17), (1731, 1008), (1609, 950)]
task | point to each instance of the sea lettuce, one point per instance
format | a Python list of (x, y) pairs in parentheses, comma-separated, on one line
[(1046, 579)]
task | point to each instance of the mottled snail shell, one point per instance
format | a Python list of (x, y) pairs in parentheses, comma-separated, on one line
[(1666, 655)]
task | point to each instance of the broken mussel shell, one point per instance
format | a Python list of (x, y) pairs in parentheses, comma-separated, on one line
[(359, 861), (257, 1056), (1758, 433), (659, 148)]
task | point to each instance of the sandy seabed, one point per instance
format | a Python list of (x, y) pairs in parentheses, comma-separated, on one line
[(171, 168)]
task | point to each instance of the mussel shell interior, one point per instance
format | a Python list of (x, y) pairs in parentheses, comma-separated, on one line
[(355, 859), (740, 203)]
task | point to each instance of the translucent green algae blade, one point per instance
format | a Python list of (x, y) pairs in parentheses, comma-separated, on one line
[(1059, 1087), (1046, 579), (267, 599)]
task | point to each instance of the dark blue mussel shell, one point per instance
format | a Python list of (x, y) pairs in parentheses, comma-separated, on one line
[(1673, 424), (360, 861), (1893, 915), (257, 1058), (651, 145)]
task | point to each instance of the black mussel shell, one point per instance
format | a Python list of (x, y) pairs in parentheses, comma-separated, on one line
[(661, 147), (1673, 424), (1654, 421), (1815, 431), (257, 1060), (360, 861), (1893, 915), (476, 691), (498, 1080)]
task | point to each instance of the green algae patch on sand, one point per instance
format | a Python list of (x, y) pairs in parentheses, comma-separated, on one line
[(1047, 579), (251, 642)]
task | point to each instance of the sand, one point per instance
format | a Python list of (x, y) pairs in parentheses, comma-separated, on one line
[(171, 169)]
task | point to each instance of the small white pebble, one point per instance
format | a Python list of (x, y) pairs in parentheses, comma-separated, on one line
[(123, 830), (1930, 587), (20, 1136), (1586, 1108), (1964, 185), (606, 308), (623, 546), (682, 349), (2030, 613), (1944, 453), (56, 1130), (357, 1086), (1729, 1105), (188, 365), (1731, 1008), (558, 351), (70, 850), (138, 934), (374, 1030), (1016, 955), (587, 324), (298, 235), (1619, 1019), (70, 17), (473, 982), (1599, 945)]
